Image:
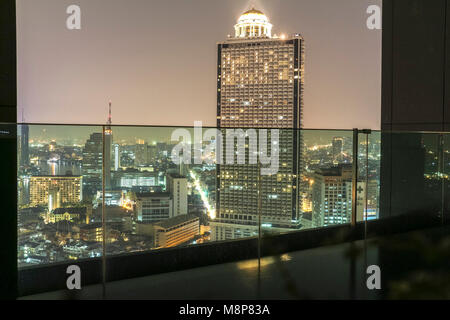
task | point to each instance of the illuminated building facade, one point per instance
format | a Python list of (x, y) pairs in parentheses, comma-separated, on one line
[(92, 163), (177, 186), (153, 206), (259, 85), (55, 189), (91, 232), (332, 195), (23, 145), (74, 214)]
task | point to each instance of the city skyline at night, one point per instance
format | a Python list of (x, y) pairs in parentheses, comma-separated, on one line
[(136, 64), (151, 202)]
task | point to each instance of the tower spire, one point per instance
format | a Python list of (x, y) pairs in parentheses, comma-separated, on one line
[(109, 113)]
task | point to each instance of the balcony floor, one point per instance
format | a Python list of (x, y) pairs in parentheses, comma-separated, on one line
[(421, 259)]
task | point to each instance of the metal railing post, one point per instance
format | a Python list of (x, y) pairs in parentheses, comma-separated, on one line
[(354, 175), (103, 215)]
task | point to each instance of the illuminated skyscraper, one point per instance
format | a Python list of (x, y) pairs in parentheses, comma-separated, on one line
[(23, 141), (93, 154), (259, 85), (332, 195), (92, 164), (177, 186)]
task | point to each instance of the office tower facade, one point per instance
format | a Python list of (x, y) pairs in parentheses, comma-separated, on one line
[(259, 85), (151, 153), (153, 206), (134, 178), (332, 195), (116, 155), (23, 145), (177, 187), (92, 164), (54, 198), (337, 145), (141, 153), (176, 231), (55, 190)]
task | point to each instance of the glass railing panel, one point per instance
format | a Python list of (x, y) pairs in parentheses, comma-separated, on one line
[(411, 174), (59, 175), (368, 191), (168, 189), (315, 183), (446, 176)]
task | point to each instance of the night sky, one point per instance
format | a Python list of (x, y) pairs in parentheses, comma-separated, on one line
[(156, 60)]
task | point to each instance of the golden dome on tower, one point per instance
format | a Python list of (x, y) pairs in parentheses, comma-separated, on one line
[(253, 23)]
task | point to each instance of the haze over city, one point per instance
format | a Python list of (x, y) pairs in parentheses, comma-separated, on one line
[(156, 60)]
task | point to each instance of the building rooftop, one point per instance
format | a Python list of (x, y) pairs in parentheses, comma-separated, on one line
[(152, 195), (172, 222), (69, 210)]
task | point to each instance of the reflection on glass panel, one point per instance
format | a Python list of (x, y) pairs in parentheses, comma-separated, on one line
[(59, 173), (446, 176), (431, 144), (325, 191), (315, 183), (368, 191), (413, 182)]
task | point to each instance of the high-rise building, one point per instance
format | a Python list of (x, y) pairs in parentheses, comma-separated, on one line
[(176, 231), (151, 154), (116, 157), (259, 85), (153, 206), (55, 190), (92, 164), (141, 153), (332, 195), (54, 198), (23, 145), (337, 147), (177, 187)]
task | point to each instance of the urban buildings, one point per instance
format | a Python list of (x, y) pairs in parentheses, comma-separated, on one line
[(77, 214), (55, 190), (141, 153), (260, 80), (97, 147), (92, 232)]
